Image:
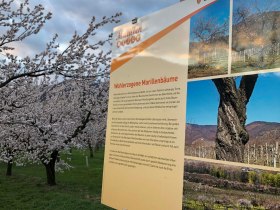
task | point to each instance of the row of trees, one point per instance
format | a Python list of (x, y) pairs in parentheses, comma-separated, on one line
[(56, 100)]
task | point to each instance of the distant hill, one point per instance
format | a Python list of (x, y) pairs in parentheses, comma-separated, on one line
[(196, 133), (258, 128), (259, 132)]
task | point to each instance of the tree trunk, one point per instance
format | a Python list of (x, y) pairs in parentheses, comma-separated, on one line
[(232, 135), (97, 147), (9, 168), (90, 150), (50, 169)]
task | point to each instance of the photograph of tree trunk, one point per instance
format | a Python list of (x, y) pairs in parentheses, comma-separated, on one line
[(235, 119), (232, 143), (209, 41), (255, 35)]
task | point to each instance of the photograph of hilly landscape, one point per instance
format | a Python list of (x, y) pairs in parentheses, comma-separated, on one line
[(235, 119), (264, 138), (255, 35), (209, 41), (232, 142)]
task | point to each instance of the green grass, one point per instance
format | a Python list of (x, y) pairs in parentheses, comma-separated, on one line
[(240, 66), (79, 188), (210, 69)]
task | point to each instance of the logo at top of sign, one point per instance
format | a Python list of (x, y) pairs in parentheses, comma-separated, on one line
[(129, 35), (198, 1)]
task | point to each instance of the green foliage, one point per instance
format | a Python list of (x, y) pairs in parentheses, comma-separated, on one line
[(252, 177), (79, 188), (264, 178), (255, 177), (271, 179), (218, 172), (277, 179)]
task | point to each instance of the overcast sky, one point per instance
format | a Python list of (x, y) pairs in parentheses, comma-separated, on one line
[(71, 15)]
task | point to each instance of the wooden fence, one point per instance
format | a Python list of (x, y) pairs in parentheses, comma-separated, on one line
[(265, 155)]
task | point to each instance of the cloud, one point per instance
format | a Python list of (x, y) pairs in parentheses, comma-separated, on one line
[(72, 15)]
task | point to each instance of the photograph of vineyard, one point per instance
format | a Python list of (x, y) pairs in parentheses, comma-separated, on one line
[(209, 41), (232, 143), (255, 35)]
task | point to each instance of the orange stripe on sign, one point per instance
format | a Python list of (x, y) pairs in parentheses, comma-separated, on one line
[(127, 56)]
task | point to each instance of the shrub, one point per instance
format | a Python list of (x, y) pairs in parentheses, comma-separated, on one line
[(252, 177), (277, 180)]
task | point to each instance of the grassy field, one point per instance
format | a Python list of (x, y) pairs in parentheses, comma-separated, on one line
[(211, 69), (79, 188), (240, 66)]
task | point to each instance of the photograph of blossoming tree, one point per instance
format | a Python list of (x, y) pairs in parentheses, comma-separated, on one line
[(255, 35), (209, 41)]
